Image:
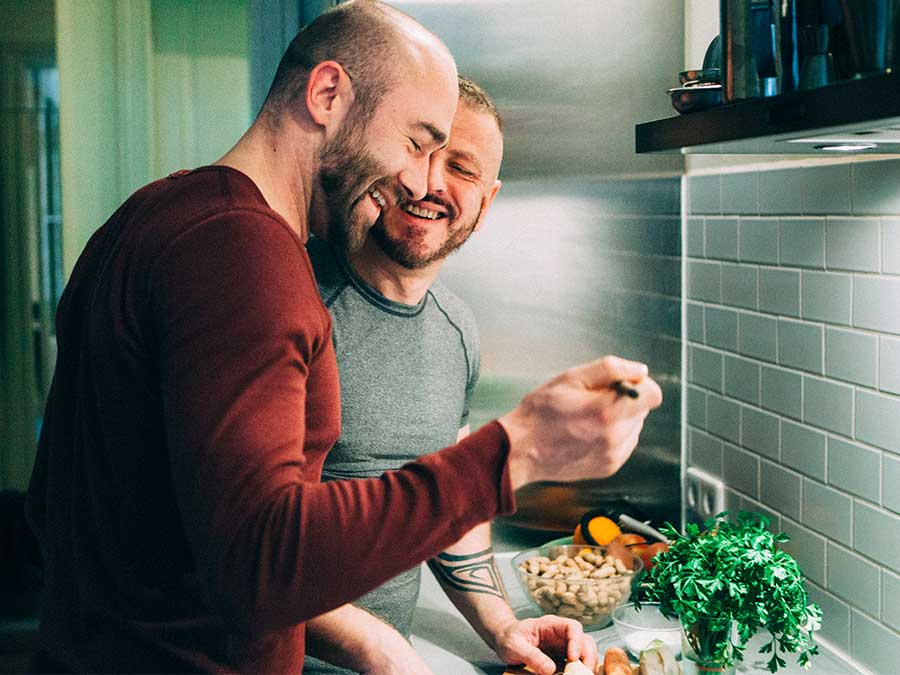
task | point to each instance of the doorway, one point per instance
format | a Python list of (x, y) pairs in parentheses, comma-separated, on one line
[(30, 233)]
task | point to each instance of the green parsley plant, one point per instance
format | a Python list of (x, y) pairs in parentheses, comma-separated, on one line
[(733, 574)]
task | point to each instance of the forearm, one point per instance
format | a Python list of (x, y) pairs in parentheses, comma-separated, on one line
[(352, 638), (468, 574)]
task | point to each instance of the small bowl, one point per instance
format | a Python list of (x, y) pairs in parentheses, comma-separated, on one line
[(590, 601), (697, 97), (638, 628), (701, 75)]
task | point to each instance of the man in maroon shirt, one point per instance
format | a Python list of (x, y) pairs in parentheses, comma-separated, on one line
[(176, 492)]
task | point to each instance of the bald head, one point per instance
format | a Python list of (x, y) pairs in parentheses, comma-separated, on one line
[(374, 43)]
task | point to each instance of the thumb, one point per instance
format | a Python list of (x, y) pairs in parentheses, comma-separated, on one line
[(603, 373)]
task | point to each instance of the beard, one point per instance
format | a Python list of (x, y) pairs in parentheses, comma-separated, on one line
[(406, 251), (346, 172)]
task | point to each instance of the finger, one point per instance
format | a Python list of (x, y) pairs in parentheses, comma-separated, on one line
[(604, 372), (537, 660), (574, 635), (590, 655)]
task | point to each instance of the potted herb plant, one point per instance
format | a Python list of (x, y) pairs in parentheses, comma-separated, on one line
[(727, 581)]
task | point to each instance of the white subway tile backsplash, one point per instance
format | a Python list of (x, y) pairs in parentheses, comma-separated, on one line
[(890, 599), (828, 405), (890, 245), (758, 240), (800, 345), (826, 189), (722, 238), (872, 644), (758, 336), (723, 418), (705, 194), (889, 364), (878, 420), (852, 244), (740, 193), (827, 511), (696, 407), (705, 452), (851, 577), (876, 534), (741, 379), (780, 488), (706, 368), (876, 187), (695, 330), (740, 286), (826, 296), (803, 416), (781, 391), (890, 482), (876, 303), (835, 617), (852, 356), (761, 431), (721, 328), (807, 548), (781, 192), (704, 281), (801, 242), (854, 468), (695, 247), (779, 291), (804, 449), (741, 470)]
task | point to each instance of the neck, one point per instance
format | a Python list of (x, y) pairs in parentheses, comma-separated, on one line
[(393, 281), (282, 170)]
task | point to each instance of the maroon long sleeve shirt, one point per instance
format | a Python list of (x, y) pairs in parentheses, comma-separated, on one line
[(176, 491)]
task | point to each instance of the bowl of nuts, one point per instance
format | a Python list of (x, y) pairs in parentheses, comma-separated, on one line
[(585, 583)]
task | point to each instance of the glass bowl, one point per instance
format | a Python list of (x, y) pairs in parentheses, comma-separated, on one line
[(638, 628), (584, 583)]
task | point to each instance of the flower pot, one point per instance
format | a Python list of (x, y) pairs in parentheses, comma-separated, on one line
[(706, 647)]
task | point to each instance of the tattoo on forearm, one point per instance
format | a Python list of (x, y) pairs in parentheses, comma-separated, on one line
[(471, 573)]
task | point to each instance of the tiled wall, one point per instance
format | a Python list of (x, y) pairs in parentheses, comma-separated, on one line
[(565, 270), (793, 396)]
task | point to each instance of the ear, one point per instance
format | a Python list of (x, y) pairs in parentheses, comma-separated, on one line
[(486, 202), (329, 94)]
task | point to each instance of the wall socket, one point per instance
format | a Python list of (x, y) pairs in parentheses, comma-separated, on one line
[(704, 494)]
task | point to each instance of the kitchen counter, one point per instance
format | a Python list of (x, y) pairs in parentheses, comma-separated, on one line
[(451, 647)]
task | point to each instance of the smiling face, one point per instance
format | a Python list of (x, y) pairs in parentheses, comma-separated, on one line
[(462, 182), (369, 166)]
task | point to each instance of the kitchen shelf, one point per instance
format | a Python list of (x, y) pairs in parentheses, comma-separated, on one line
[(863, 110)]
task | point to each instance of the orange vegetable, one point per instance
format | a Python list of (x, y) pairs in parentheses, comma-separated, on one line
[(616, 662), (596, 530)]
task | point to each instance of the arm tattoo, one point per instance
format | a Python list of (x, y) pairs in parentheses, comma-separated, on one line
[(470, 573)]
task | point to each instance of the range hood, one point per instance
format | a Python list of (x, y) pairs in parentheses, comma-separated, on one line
[(860, 116)]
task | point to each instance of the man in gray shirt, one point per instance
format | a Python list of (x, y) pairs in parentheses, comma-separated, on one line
[(408, 360)]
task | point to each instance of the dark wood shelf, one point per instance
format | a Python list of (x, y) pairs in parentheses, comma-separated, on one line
[(866, 109)]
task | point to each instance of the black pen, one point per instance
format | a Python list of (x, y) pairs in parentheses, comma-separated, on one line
[(623, 389)]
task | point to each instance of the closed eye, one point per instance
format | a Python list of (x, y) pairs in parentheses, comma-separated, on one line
[(418, 148), (462, 170)]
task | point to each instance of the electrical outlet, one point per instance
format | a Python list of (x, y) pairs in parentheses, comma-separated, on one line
[(704, 494)]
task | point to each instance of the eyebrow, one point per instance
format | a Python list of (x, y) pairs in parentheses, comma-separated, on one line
[(437, 135)]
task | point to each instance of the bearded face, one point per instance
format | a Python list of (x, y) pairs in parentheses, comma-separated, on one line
[(348, 175), (415, 237)]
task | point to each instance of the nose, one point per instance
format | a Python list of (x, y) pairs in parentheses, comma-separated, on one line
[(414, 177), (436, 182)]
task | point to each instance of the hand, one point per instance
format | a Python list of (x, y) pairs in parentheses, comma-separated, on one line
[(525, 642), (576, 426)]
